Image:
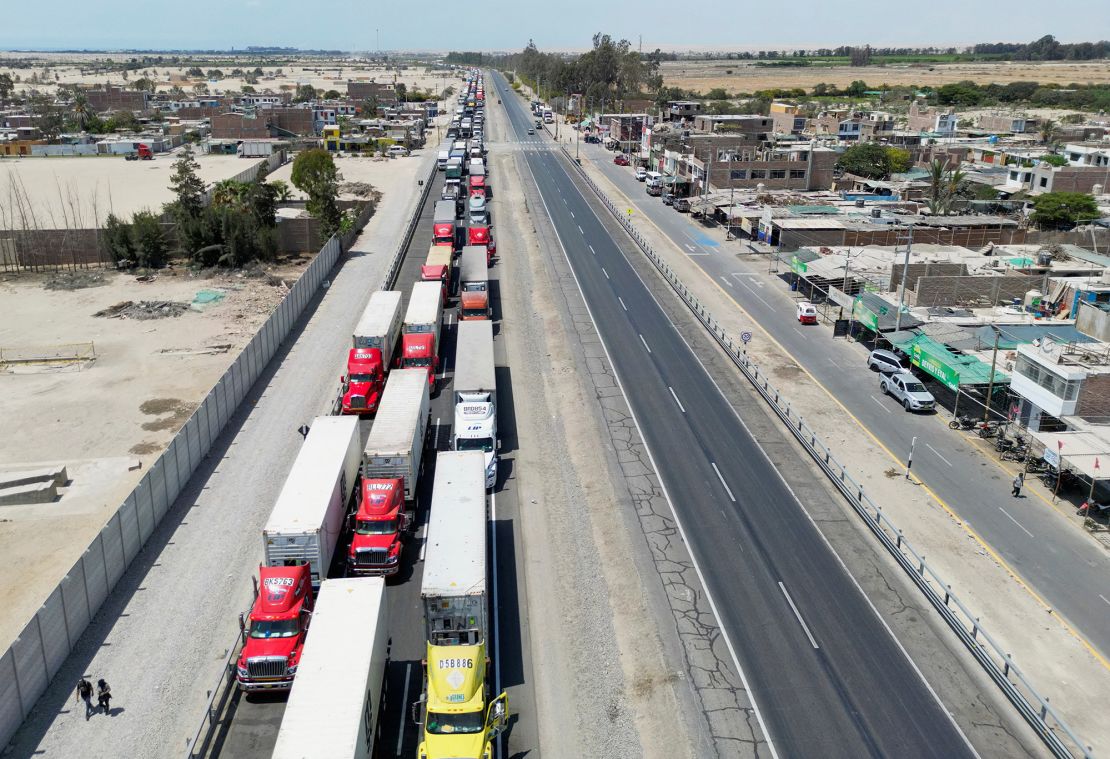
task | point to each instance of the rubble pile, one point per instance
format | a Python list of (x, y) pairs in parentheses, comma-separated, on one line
[(143, 309)]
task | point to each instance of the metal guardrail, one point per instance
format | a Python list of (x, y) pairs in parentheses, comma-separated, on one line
[(999, 665)]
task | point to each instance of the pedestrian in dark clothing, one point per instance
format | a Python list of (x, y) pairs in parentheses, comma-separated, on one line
[(84, 691), (103, 695), (1018, 482)]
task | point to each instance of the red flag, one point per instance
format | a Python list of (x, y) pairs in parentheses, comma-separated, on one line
[(1096, 463), (1059, 445)]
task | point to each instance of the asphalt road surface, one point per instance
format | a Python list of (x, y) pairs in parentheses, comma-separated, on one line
[(1063, 565), (251, 723), (828, 677)]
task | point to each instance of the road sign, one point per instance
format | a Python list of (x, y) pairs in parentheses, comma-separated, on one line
[(745, 337)]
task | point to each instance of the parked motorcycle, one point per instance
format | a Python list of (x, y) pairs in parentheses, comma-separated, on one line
[(963, 423)]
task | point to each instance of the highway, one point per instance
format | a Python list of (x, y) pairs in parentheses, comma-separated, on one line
[(250, 724), (827, 676), (1062, 564)]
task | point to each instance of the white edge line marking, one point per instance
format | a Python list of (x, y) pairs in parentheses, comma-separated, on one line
[(605, 272), (934, 450), (881, 404), (496, 616), (728, 490), (666, 493), (1019, 524), (1104, 598), (763, 453), (642, 340), (800, 333), (572, 214), (798, 614), (622, 303), (725, 280), (580, 230), (676, 400), (405, 694)]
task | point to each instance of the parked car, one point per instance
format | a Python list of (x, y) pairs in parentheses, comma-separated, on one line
[(906, 388), (397, 150), (668, 198), (886, 362), (807, 313), (531, 130), (641, 174), (682, 205), (621, 160)]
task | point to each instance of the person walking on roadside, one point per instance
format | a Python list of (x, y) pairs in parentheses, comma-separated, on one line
[(1018, 482), (103, 695), (84, 692)]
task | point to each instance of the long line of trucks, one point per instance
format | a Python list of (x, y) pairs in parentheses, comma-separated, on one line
[(327, 640)]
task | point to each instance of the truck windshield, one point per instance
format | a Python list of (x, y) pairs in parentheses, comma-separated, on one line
[(410, 362), (440, 723), (376, 526), (474, 287), (281, 628), (362, 378), (915, 387), (474, 444)]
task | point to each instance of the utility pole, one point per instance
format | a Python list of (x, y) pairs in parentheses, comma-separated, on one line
[(902, 290), (990, 384)]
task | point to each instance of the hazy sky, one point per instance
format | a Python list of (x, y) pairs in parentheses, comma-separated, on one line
[(508, 24)]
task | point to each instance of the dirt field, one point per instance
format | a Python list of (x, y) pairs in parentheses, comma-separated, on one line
[(110, 418), (746, 77), (68, 68), (80, 191)]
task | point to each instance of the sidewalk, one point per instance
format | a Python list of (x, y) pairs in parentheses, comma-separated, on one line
[(1063, 667), (160, 637)]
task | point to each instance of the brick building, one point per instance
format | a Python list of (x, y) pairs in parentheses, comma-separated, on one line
[(1045, 178), (385, 93), (116, 99), (787, 118), (925, 118), (1008, 123)]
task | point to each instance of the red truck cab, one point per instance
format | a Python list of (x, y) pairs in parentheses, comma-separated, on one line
[(364, 381), (478, 184), (443, 233), (418, 350), (378, 525), (482, 236), (275, 630)]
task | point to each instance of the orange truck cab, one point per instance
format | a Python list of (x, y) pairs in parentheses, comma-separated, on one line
[(482, 235), (274, 632), (378, 527)]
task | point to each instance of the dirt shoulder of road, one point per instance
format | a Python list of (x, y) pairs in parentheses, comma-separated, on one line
[(1059, 663)]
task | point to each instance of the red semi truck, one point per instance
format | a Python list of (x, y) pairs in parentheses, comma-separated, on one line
[(437, 268), (481, 235), (378, 526), (274, 631), (374, 340), (420, 330)]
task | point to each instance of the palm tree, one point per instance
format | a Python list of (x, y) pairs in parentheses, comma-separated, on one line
[(81, 112), (1048, 131), (283, 193), (943, 186)]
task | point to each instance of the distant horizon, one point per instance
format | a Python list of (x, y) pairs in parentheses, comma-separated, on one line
[(436, 26)]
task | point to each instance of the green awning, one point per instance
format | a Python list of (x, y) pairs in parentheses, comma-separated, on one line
[(951, 369)]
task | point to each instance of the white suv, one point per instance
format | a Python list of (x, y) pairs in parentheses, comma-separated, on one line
[(904, 387), (641, 173), (397, 150)]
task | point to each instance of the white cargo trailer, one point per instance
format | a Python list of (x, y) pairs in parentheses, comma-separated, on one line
[(425, 310), (453, 589), (396, 442), (475, 390), (335, 706), (380, 324), (311, 508)]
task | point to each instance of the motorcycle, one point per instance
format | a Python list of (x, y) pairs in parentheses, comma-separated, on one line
[(988, 429), (962, 423), (1035, 466)]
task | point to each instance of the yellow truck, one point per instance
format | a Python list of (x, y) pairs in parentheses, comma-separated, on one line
[(458, 719)]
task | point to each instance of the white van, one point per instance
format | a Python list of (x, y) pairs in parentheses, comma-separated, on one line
[(653, 182)]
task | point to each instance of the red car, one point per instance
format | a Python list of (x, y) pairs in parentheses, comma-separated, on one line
[(621, 160)]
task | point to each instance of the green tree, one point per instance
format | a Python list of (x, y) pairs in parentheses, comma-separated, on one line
[(1048, 131), (7, 87), (1054, 160), (856, 89), (81, 110), (304, 94), (282, 191), (151, 247), (187, 186), (1063, 209), (144, 84), (866, 160), (117, 240), (314, 174), (900, 160), (402, 91), (194, 71), (332, 95)]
